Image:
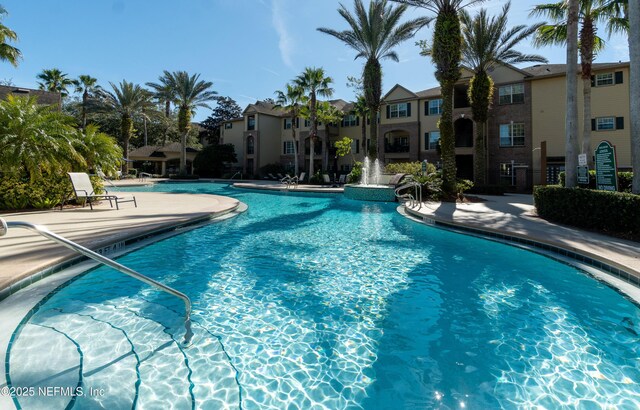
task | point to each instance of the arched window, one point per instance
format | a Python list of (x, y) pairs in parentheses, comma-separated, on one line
[(250, 144)]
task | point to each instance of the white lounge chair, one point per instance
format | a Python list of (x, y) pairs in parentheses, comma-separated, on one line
[(83, 189)]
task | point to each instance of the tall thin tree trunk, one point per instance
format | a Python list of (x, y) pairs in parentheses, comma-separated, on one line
[(571, 122), (314, 132), (587, 39), (295, 146), (85, 99), (448, 139), (126, 129), (634, 84), (586, 121)]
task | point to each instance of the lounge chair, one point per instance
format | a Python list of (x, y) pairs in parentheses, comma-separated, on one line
[(302, 176), (280, 176), (342, 180), (272, 177), (83, 189), (326, 180)]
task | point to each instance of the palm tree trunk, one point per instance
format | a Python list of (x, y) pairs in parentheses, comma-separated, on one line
[(586, 121), (372, 82), (480, 95), (448, 139), (587, 39), (314, 132), (85, 99), (295, 146), (184, 123), (127, 129), (634, 80), (571, 122)]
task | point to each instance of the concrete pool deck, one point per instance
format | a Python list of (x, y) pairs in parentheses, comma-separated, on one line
[(24, 253), (515, 215)]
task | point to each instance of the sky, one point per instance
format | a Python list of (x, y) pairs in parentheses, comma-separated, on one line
[(247, 48)]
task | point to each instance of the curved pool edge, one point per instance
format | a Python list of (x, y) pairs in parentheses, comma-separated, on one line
[(17, 305), (602, 269)]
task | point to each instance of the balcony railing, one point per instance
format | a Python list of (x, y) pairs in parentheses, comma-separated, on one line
[(395, 148)]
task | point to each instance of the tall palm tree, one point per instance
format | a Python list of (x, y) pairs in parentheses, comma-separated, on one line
[(571, 121), (127, 100), (361, 109), (291, 101), (489, 42), (591, 13), (86, 84), (314, 82), (55, 81), (446, 53), (189, 92), (328, 114), (373, 34), (634, 54), (163, 91), (8, 52)]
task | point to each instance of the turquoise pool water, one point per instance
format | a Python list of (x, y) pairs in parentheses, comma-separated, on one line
[(318, 302)]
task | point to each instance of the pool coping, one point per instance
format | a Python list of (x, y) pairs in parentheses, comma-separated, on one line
[(283, 188), (622, 278)]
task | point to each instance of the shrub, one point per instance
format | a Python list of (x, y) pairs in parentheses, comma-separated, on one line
[(356, 173), (624, 180), (412, 168), (612, 212)]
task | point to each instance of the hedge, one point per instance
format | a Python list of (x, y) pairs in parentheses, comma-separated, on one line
[(611, 212), (625, 180)]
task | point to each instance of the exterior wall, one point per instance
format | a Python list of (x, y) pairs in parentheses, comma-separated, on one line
[(428, 123), (355, 133), (549, 108), (270, 130), (234, 136)]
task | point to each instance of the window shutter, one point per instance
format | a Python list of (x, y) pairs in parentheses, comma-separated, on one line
[(426, 141), (408, 109), (297, 122), (342, 123), (388, 111), (284, 124), (357, 146), (618, 76), (593, 124), (284, 147), (619, 123), (426, 108), (357, 120), (593, 80)]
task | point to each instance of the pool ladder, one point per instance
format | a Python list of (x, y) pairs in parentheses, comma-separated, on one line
[(4, 227), (410, 199)]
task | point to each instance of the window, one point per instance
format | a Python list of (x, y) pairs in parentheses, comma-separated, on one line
[(288, 148), (512, 135), (350, 121), (228, 125), (399, 110), (604, 79), (433, 107), (307, 123), (605, 123), (431, 140), (251, 123), (507, 177), (511, 94), (287, 123), (250, 145)]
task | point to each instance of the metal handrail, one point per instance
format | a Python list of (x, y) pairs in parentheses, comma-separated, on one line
[(4, 227), (418, 191), (237, 173)]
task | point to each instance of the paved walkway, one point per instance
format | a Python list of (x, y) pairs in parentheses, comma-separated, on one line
[(515, 215), (23, 252)]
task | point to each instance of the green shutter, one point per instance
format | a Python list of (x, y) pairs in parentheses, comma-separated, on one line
[(388, 111), (593, 124), (618, 77), (426, 141), (284, 147), (408, 109), (426, 108), (357, 121), (619, 123)]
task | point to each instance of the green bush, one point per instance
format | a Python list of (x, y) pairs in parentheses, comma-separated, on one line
[(612, 212), (412, 168), (624, 180), (356, 173)]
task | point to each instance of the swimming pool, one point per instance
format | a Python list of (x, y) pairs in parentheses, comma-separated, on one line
[(311, 301)]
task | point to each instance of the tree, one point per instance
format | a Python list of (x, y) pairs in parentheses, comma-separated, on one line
[(85, 84), (343, 148), (361, 109), (163, 91), (591, 12), (634, 54), (189, 92), (98, 149), (489, 42), (328, 114), (446, 53), (55, 81), (226, 109), (373, 34), (126, 100), (210, 161), (35, 139), (314, 82), (291, 101), (8, 52), (571, 122)]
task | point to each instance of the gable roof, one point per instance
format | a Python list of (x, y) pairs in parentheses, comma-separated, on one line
[(398, 87), (552, 70), (261, 107), (44, 97)]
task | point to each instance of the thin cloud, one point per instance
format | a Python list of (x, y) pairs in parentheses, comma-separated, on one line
[(285, 43), (268, 70)]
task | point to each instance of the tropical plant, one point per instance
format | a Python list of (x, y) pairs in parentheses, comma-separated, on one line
[(446, 52), (591, 13), (328, 114), (291, 101), (8, 52), (99, 150), (314, 82), (189, 93), (361, 109), (343, 148), (488, 41), (86, 85), (126, 100), (211, 160), (35, 139), (55, 81), (373, 34), (163, 91)]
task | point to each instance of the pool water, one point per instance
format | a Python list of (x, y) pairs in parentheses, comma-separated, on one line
[(320, 302)]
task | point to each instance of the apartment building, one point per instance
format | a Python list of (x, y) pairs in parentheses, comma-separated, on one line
[(525, 129)]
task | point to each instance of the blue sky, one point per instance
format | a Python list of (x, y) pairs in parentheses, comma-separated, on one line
[(248, 48)]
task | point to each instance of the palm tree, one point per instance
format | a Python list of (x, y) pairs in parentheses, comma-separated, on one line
[(35, 139), (361, 109), (373, 34), (446, 53), (189, 92), (314, 82), (7, 52), (571, 121), (85, 84), (328, 114), (291, 101), (163, 91), (634, 54), (55, 81), (127, 100), (489, 42), (591, 13), (98, 149)]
